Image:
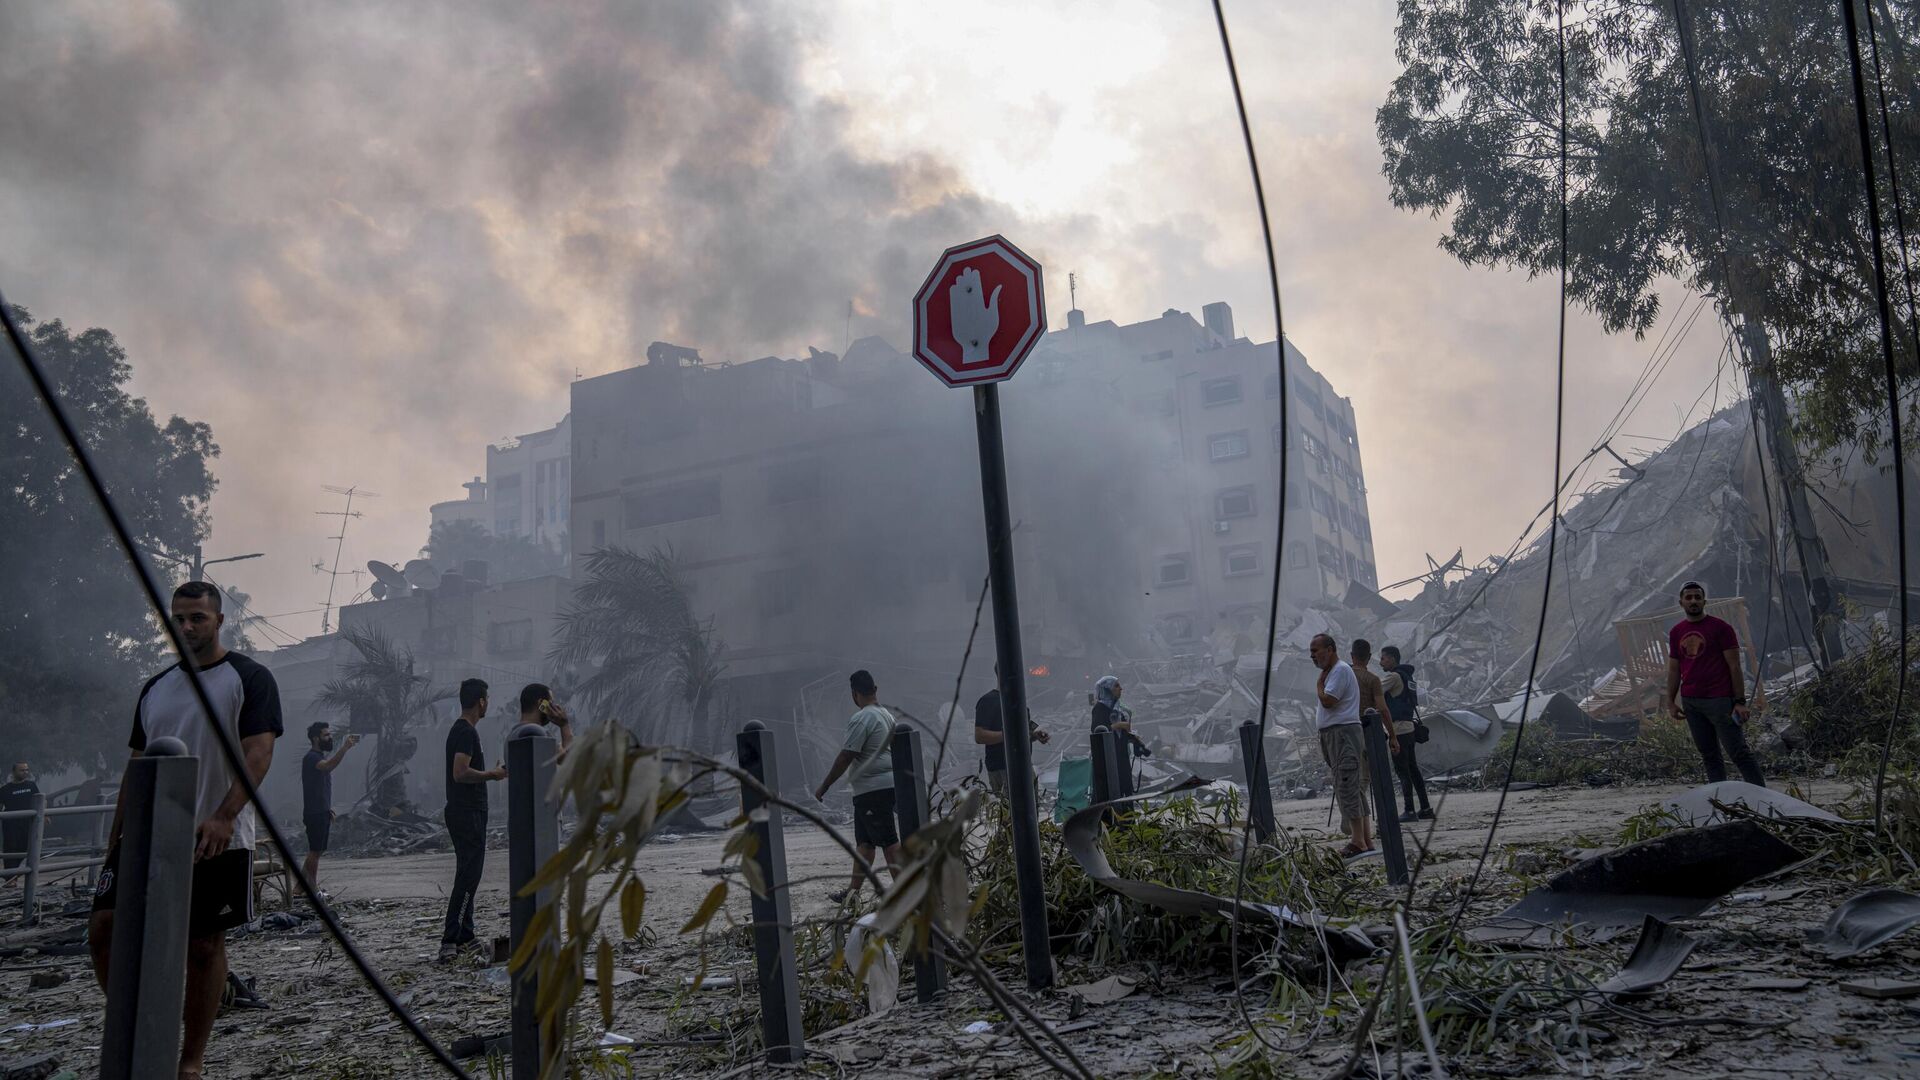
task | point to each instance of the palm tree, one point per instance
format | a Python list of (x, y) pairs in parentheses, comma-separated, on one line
[(381, 691), (653, 662)]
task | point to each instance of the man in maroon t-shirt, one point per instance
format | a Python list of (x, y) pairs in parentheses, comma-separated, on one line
[(1705, 686)]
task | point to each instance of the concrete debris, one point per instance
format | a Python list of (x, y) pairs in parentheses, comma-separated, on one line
[(1867, 921), (1672, 876), (1702, 805)]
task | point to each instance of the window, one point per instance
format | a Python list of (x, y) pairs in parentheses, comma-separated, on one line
[(599, 535), (1175, 569), (1163, 354), (1220, 391), (1362, 527), (1353, 566), (1296, 556), (678, 502), (776, 592), (1330, 556), (1322, 501), (510, 638), (1233, 503), (1177, 628), (1240, 561), (1367, 574), (1226, 446), (1314, 447), (793, 481)]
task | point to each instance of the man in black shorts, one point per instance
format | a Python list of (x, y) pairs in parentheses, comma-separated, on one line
[(316, 791), (247, 703), (866, 759)]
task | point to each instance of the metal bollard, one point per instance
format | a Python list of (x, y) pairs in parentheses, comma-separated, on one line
[(780, 1028), (147, 971), (30, 892), (910, 806), (1106, 757), (533, 835), (1387, 821), (1253, 752)]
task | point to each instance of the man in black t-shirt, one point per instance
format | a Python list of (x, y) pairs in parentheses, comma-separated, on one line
[(466, 814), (316, 791), (989, 731), (17, 794)]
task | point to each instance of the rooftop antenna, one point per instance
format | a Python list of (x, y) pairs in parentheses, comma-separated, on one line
[(1073, 290), (346, 514), (849, 332)]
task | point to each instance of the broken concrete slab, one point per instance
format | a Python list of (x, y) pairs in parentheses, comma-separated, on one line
[(1775, 984), (1668, 877), (1697, 807), (1656, 957), (1881, 987), (1866, 921)]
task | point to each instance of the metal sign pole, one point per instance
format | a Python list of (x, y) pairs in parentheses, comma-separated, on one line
[(1034, 939), (533, 835), (147, 971), (780, 1027), (910, 806)]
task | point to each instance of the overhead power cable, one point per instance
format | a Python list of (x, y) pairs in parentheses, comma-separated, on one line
[(229, 747), (1893, 382), (1553, 527)]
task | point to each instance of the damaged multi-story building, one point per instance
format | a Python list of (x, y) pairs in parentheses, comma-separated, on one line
[(826, 514)]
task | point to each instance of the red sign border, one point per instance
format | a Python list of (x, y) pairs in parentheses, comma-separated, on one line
[(1036, 303)]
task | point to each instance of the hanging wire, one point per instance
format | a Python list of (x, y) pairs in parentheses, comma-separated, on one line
[(1893, 384), (1553, 528), (229, 748)]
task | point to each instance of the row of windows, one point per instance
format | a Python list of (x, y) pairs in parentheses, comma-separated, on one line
[(1234, 562)]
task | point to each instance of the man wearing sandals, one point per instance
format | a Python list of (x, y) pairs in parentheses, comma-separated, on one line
[(1337, 717)]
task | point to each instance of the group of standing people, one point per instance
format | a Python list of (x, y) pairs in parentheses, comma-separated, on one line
[(1349, 695)]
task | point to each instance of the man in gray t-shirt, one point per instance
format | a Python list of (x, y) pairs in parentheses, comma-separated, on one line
[(866, 760)]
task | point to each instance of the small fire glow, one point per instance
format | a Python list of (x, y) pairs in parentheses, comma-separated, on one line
[(1040, 671)]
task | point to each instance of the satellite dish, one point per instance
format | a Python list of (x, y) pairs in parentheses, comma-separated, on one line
[(388, 581), (420, 574)]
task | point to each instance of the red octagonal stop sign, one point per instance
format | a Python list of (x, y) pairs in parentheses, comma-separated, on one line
[(979, 313)]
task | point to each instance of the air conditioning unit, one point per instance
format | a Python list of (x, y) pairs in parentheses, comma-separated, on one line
[(1222, 526)]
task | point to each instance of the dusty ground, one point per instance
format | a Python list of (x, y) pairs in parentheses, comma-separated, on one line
[(322, 1024)]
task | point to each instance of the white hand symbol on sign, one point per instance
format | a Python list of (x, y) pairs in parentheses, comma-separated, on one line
[(975, 317)]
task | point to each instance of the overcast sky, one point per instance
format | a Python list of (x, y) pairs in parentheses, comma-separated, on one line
[(362, 240)]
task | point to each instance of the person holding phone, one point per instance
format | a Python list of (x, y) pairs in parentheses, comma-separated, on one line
[(538, 707), (316, 790)]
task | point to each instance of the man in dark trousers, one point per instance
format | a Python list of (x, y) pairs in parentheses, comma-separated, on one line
[(1403, 704), (1706, 688), (989, 732), (466, 814), (17, 794), (316, 792), (246, 703)]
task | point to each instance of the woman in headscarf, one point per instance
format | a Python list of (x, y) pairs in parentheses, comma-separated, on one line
[(1107, 710)]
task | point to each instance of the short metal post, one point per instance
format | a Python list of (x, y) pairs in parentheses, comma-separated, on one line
[(1106, 774), (30, 892), (910, 806), (533, 835), (780, 1029), (1387, 820), (147, 971), (1253, 752)]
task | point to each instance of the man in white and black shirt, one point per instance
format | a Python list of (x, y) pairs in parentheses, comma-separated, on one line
[(247, 703)]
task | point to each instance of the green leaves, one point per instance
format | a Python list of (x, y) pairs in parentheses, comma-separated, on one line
[(708, 907)]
